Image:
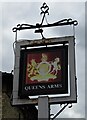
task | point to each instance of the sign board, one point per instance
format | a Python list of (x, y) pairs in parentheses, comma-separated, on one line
[(43, 71), (45, 67)]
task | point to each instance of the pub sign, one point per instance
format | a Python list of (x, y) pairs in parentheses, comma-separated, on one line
[(43, 71)]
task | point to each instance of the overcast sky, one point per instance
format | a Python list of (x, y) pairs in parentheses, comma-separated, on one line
[(14, 13)]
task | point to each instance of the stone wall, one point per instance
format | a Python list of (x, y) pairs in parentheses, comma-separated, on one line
[(24, 112), (7, 110), (0, 105)]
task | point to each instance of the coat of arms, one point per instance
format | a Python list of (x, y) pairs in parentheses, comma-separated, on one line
[(44, 69)]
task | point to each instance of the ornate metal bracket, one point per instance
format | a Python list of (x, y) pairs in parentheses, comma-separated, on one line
[(38, 27), (63, 108)]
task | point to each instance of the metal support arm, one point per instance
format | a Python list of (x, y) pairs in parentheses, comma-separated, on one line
[(38, 27), (59, 23)]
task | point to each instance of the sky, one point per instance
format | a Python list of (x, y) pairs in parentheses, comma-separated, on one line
[(13, 13)]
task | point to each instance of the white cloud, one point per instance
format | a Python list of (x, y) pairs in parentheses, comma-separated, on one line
[(0, 36), (43, 1)]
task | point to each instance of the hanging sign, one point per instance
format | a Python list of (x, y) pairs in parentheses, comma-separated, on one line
[(45, 67), (43, 71)]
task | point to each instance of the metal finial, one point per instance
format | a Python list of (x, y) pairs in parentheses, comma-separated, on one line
[(44, 11)]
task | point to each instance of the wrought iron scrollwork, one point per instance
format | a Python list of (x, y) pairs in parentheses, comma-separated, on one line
[(38, 27), (44, 11), (59, 23)]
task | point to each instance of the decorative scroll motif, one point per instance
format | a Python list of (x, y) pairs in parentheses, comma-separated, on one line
[(59, 23), (38, 27), (44, 11)]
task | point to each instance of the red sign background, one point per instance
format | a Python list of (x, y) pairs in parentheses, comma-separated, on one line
[(52, 58)]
